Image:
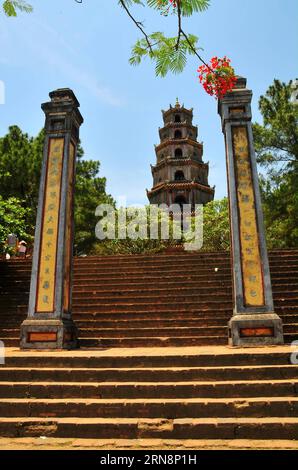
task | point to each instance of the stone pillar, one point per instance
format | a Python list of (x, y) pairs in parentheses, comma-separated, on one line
[(253, 322), (49, 324)]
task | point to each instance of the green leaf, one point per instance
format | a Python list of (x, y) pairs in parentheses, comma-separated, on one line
[(10, 7), (188, 7)]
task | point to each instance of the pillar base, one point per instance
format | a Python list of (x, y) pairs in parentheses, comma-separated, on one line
[(49, 334), (255, 330)]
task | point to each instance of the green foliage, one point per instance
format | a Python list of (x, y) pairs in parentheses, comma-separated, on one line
[(142, 243), (216, 235), (216, 226), (13, 219), (20, 164), (277, 139), (276, 143), (90, 191), (280, 205), (165, 54), (168, 53), (11, 7), (188, 7), (20, 167)]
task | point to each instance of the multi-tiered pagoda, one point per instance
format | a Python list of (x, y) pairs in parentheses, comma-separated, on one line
[(180, 176)]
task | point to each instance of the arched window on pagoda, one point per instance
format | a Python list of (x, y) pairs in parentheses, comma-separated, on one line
[(179, 175), (178, 135), (177, 118), (180, 200), (178, 153)]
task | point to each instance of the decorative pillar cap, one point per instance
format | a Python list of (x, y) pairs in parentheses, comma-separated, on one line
[(241, 82), (64, 95)]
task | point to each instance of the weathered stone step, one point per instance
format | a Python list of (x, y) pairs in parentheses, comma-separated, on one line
[(202, 257), (183, 390), (176, 357), (153, 278), (100, 292), (191, 269), (177, 305), (155, 342), (227, 374), (19, 313), (141, 323), (135, 428), (278, 284), (159, 323), (161, 293), (189, 322), (152, 332), (136, 332), (151, 408), (89, 331), (150, 342)]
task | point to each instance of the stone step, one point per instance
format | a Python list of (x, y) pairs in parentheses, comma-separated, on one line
[(147, 358), (138, 306), (194, 293), (133, 339), (149, 342), (152, 332), (74, 373), (131, 390), (157, 258), (135, 428), (141, 342), (188, 322), (18, 315), (140, 318), (132, 331), (150, 407), (191, 269), (162, 279), (137, 332)]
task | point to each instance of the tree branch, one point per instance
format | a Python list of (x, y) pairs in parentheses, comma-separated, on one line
[(179, 24), (194, 50), (138, 25)]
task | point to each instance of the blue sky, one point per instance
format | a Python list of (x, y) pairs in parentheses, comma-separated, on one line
[(86, 47)]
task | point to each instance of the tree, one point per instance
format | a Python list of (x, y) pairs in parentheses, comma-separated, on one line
[(216, 226), (276, 141), (90, 191), (20, 168), (280, 206), (276, 144), (13, 219)]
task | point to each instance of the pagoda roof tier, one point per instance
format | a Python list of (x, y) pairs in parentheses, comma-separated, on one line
[(180, 162), (178, 124), (180, 185), (168, 142), (178, 109)]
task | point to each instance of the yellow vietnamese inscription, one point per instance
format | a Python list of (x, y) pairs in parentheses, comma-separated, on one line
[(252, 272), (49, 234)]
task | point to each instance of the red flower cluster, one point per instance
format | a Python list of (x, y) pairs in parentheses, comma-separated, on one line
[(218, 78), (165, 5)]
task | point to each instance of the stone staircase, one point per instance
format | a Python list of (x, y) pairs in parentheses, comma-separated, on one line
[(163, 393), (132, 388), (168, 299)]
